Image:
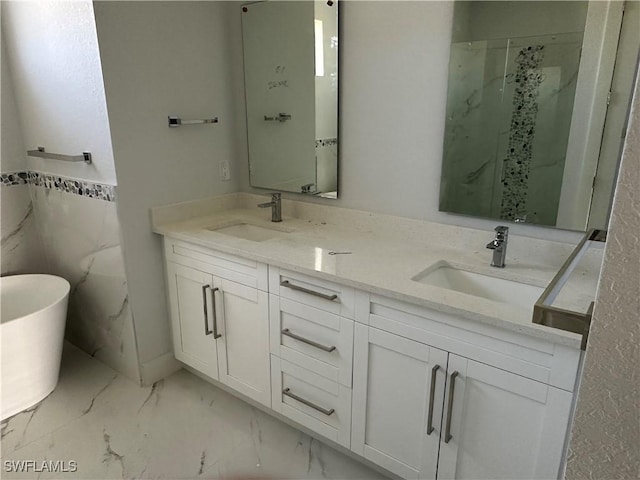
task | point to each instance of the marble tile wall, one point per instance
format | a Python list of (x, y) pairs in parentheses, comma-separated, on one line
[(70, 228), (20, 244), (474, 128), (542, 86), (508, 125)]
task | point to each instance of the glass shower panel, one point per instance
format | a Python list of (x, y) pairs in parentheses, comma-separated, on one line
[(540, 89), (509, 108), (474, 99)]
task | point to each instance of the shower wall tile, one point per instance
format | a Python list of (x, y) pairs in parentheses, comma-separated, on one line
[(21, 247), (81, 239), (327, 165), (475, 130)]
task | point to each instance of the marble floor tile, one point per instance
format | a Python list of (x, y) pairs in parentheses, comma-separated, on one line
[(181, 427), (81, 382)]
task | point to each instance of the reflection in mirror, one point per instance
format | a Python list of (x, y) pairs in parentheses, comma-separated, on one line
[(291, 91), (526, 108)]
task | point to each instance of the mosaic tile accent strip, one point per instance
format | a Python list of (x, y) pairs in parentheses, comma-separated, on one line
[(523, 127), (77, 187), (14, 178), (326, 142), (62, 184)]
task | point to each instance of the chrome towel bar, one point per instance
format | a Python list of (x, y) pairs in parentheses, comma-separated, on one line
[(177, 121), (40, 152), (545, 313)]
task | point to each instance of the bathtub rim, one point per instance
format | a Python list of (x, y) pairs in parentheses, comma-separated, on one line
[(49, 277)]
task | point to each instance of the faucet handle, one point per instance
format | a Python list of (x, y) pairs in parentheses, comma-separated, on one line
[(501, 232), (276, 196)]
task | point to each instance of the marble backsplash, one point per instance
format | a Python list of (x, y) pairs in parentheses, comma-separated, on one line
[(70, 228)]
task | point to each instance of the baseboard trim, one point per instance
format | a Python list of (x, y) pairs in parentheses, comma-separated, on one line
[(158, 368)]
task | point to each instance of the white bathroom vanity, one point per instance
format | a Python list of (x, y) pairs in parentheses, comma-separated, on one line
[(392, 338)]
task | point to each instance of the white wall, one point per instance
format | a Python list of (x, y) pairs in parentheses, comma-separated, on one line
[(12, 155), (161, 58), (21, 246), (55, 69), (490, 19), (58, 85), (606, 431), (393, 81)]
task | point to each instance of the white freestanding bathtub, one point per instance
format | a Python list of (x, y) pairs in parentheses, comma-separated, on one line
[(33, 314)]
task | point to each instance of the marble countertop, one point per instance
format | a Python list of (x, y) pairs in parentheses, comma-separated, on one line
[(386, 252)]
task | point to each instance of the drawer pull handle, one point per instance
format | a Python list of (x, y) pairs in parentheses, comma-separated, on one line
[(285, 283), (216, 335), (447, 432), (288, 393), (206, 314), (432, 394), (289, 333)]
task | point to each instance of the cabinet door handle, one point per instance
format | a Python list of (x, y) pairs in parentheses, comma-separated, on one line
[(452, 384), (216, 335), (285, 283), (206, 314), (288, 393), (289, 333), (432, 394)]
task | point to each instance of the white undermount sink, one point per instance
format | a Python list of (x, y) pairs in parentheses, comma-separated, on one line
[(444, 275), (248, 231)]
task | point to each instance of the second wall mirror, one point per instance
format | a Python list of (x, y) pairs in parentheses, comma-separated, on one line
[(291, 92), (536, 107)]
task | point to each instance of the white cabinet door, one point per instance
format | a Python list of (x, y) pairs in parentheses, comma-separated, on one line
[(394, 380), (502, 425), (243, 350), (191, 318)]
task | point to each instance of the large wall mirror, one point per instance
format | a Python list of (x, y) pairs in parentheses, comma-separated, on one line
[(533, 133), (291, 91)]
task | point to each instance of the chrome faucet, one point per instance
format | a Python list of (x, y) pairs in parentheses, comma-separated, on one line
[(306, 188), (499, 246), (276, 207)]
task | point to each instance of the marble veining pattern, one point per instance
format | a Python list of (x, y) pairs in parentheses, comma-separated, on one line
[(63, 184), (481, 144), (182, 427), (21, 245), (82, 244)]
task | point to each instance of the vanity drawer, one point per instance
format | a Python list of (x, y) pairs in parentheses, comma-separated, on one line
[(322, 294), (314, 339), (311, 400), (237, 269)]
